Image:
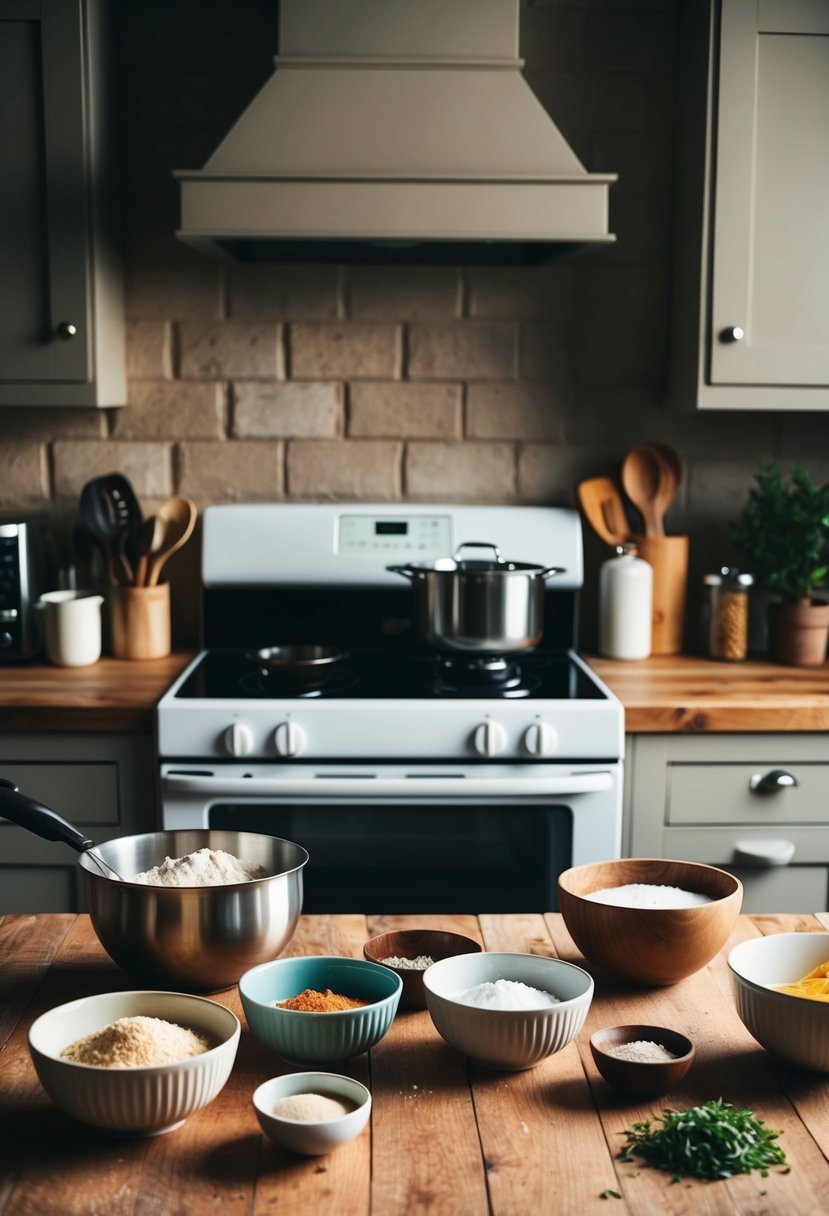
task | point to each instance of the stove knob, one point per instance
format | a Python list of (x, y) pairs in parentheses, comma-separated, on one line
[(489, 738), (540, 739), (238, 739), (290, 739)]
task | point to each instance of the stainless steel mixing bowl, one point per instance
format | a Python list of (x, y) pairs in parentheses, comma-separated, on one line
[(199, 938)]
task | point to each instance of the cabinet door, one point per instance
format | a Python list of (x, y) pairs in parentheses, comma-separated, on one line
[(770, 230), (61, 291)]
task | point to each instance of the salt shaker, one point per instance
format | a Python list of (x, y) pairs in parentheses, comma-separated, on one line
[(625, 605), (728, 592)]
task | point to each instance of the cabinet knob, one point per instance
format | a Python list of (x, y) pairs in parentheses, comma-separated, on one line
[(66, 331), (733, 333), (773, 781)]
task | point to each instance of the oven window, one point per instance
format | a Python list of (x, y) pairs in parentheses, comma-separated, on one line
[(410, 859)]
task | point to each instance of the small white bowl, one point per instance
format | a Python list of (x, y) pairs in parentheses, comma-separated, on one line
[(133, 1101), (504, 1038), (791, 1027), (312, 1139)]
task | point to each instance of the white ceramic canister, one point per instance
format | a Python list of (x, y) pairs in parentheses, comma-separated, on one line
[(625, 605), (73, 627)]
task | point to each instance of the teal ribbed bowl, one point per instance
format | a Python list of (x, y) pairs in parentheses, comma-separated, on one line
[(319, 1038)]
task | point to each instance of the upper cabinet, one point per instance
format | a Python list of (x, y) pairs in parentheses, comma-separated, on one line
[(751, 310), (61, 305)]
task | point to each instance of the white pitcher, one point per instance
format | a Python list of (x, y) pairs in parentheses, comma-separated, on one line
[(73, 627)]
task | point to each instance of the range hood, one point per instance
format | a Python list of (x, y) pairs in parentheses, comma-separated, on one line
[(394, 131)]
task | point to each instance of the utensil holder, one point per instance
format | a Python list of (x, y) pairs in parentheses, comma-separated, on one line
[(140, 622), (668, 555)]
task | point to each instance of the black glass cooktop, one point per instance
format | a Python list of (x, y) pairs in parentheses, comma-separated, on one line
[(367, 674)]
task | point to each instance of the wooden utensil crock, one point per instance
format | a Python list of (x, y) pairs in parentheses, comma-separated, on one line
[(140, 622), (668, 555)]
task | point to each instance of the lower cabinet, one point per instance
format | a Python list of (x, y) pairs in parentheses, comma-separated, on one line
[(105, 785), (754, 804)]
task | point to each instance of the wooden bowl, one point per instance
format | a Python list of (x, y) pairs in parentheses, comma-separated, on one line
[(412, 943), (647, 945), (644, 1080)]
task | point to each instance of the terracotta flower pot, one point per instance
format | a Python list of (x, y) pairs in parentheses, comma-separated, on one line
[(799, 632)]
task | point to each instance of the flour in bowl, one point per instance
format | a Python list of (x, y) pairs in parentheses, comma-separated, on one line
[(505, 994), (204, 868), (648, 895)]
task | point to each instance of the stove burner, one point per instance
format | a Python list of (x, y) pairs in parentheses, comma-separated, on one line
[(469, 677)]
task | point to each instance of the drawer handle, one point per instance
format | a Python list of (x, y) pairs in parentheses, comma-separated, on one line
[(763, 852), (772, 782)]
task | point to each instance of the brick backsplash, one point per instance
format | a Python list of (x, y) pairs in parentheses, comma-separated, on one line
[(459, 383)]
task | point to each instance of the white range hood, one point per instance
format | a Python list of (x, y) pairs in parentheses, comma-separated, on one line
[(395, 131)]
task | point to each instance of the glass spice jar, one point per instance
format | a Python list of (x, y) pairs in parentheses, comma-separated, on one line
[(728, 592)]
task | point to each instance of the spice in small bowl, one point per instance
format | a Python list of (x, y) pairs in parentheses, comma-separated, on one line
[(408, 952), (644, 1061), (312, 1112)]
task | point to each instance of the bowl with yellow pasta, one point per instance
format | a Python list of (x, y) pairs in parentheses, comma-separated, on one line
[(780, 985)]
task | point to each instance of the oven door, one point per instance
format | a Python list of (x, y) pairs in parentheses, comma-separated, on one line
[(425, 838)]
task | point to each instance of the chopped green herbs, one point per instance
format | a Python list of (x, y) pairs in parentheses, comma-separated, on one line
[(609, 1193), (710, 1141)]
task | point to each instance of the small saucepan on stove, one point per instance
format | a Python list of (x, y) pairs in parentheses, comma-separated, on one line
[(310, 666), (191, 938), (477, 605)]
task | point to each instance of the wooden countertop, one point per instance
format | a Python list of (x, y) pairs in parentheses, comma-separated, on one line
[(110, 695), (695, 695), (446, 1136), (660, 694)]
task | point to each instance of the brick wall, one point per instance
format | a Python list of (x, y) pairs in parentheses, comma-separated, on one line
[(307, 383)]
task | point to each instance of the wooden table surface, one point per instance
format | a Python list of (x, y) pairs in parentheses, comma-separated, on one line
[(446, 1136)]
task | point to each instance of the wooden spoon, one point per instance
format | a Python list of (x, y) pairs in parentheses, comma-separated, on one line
[(179, 519), (152, 536), (604, 510), (671, 473), (642, 480)]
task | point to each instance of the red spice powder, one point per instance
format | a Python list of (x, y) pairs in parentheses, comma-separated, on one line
[(311, 1001)]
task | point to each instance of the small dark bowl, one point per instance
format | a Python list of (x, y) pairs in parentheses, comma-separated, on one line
[(642, 1080), (411, 943)]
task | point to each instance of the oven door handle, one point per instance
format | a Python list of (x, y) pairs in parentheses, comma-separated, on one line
[(365, 786)]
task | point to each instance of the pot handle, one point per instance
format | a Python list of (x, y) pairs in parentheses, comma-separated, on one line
[(478, 544), (549, 571), (37, 818), (406, 571)]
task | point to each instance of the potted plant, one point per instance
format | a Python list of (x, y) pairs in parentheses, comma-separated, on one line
[(783, 531)]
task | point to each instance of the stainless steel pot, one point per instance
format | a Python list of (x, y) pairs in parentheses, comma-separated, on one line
[(200, 938), (476, 606)]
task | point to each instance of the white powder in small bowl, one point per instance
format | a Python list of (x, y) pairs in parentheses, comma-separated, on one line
[(641, 1051), (311, 1108), (409, 964), (648, 895), (505, 994)]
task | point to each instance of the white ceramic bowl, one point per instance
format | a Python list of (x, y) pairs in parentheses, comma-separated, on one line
[(502, 1038), (791, 1027), (312, 1138), (133, 1101)]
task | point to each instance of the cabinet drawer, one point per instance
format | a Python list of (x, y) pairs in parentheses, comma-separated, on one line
[(83, 793), (784, 889), (722, 793), (718, 846)]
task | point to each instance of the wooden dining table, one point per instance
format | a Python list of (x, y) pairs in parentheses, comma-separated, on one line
[(446, 1135)]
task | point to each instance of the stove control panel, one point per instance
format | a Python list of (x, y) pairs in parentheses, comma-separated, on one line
[(489, 738)]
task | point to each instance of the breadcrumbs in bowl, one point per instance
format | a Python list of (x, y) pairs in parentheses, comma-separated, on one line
[(125, 1079)]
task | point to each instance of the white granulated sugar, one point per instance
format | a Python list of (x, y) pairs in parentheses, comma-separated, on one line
[(204, 868), (505, 994), (648, 895)]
